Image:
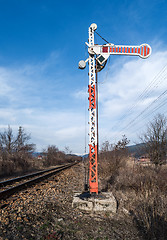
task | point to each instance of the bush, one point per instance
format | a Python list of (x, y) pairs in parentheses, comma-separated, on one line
[(150, 217), (111, 159), (15, 151), (145, 189), (142, 190)]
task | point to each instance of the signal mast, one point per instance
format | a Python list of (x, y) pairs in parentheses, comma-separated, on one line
[(99, 54)]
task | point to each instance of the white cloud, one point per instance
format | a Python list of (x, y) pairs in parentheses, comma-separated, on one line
[(54, 117), (32, 98), (61, 128), (120, 93)]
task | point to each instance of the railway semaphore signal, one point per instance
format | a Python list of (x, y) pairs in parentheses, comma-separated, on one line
[(98, 56)]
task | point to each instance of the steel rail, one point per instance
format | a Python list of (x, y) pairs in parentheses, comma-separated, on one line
[(8, 192), (17, 179)]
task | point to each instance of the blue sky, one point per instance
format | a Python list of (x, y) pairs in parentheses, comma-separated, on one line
[(42, 89)]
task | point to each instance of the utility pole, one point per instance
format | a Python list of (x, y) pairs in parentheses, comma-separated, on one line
[(98, 56), (93, 177)]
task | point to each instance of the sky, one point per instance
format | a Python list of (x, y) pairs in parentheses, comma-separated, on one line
[(41, 87)]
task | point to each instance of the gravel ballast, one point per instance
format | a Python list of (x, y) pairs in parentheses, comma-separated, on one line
[(45, 211)]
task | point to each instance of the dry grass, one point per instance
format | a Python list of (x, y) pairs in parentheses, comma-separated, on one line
[(142, 190)]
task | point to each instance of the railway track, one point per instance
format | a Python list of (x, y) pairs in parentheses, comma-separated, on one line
[(11, 186)]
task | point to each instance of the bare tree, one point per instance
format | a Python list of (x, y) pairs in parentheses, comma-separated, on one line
[(7, 141), (67, 150), (15, 151), (22, 144), (106, 147), (53, 156), (111, 159), (155, 140), (120, 149)]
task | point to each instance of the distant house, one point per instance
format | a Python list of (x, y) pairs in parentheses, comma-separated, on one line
[(39, 157), (143, 159)]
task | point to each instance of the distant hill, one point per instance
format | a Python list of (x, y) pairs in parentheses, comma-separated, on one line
[(137, 150), (36, 154), (85, 155)]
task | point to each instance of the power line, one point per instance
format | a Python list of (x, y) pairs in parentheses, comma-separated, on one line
[(146, 109), (132, 123), (150, 114), (148, 90)]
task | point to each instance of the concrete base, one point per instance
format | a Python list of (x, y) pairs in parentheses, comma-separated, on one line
[(95, 203)]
